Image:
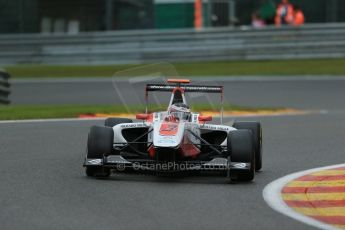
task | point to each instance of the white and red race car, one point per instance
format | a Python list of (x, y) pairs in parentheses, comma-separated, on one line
[(175, 140)]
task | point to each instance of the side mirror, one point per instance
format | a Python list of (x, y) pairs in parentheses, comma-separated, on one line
[(142, 116), (205, 118)]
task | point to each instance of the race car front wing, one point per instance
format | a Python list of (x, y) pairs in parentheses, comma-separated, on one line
[(119, 163)]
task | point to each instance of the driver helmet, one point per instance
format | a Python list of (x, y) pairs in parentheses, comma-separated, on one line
[(180, 111)]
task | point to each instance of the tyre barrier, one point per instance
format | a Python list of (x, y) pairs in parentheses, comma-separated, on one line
[(5, 87)]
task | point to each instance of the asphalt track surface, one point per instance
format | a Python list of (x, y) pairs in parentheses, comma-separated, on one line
[(43, 185), (311, 94)]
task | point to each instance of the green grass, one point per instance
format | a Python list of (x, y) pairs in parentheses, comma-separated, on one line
[(220, 68), (19, 112)]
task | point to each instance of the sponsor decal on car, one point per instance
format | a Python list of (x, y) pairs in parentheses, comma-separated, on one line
[(95, 161), (134, 125), (215, 127), (168, 128), (240, 165), (166, 139)]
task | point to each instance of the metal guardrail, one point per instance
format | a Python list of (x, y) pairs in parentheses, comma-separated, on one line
[(4, 87), (123, 47)]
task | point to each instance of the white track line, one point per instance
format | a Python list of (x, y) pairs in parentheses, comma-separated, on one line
[(272, 196), (50, 120)]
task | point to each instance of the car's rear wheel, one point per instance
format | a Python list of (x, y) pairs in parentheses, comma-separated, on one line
[(112, 121), (99, 144), (255, 127), (241, 149)]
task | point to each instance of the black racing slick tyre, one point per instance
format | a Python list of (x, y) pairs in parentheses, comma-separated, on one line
[(99, 143), (241, 149), (111, 122), (255, 127)]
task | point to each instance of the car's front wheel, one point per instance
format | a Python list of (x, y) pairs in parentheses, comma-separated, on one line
[(99, 144), (241, 150), (255, 127)]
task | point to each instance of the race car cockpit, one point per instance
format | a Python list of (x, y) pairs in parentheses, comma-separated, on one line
[(180, 111)]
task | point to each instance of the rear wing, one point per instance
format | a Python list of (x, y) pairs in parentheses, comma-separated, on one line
[(189, 88), (181, 84)]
